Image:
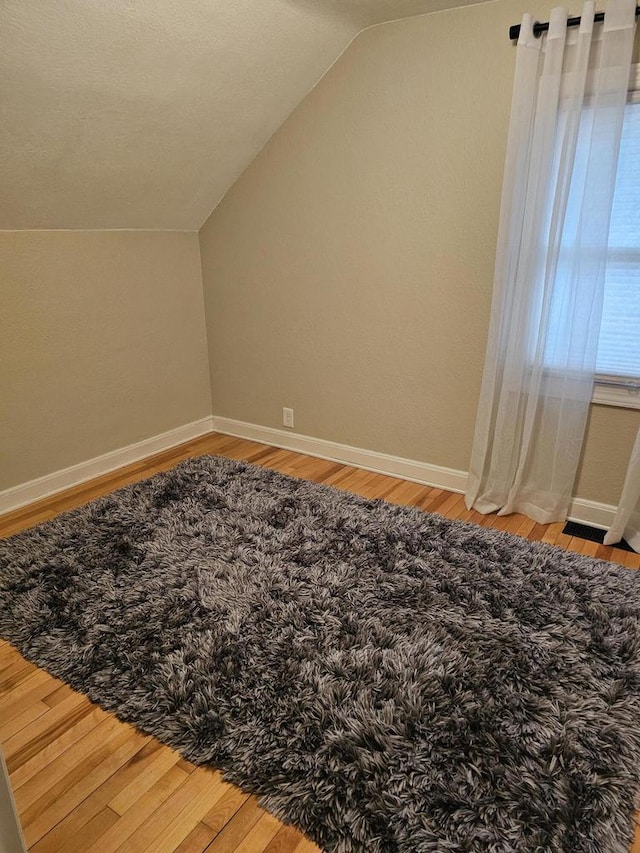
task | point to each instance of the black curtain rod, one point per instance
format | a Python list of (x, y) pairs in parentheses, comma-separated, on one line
[(538, 28)]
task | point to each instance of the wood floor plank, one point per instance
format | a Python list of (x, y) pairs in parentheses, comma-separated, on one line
[(23, 770), (275, 460), (58, 695), (45, 787), (12, 663), (504, 522), (138, 752), (408, 494), (574, 544), (96, 744), (198, 839), (29, 715), (86, 835), (452, 505), (191, 815), (552, 532), (457, 509), (221, 813), (146, 835), (9, 655), (590, 549), (630, 560), (36, 688), (431, 493), (49, 811), (436, 500), (162, 760), (12, 668), (46, 728), (153, 801), (474, 516), (537, 532), (186, 765), (513, 522), (260, 835), (306, 846), (562, 541), (337, 476), (285, 841), (604, 552), (356, 482), (15, 673), (236, 830), (317, 469)]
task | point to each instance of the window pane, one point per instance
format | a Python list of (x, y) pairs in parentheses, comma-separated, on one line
[(619, 347)]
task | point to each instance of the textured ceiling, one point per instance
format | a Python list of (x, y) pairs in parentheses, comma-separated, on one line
[(142, 113)]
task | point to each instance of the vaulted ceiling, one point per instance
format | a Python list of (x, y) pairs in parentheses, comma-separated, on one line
[(142, 113)]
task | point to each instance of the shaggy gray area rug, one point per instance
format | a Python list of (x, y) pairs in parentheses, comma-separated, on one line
[(385, 679)]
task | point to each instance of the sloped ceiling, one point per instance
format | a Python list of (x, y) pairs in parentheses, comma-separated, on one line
[(142, 113)]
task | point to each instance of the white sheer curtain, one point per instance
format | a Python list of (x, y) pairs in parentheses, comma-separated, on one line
[(568, 104), (626, 523)]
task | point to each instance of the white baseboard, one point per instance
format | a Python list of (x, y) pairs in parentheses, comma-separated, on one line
[(381, 463), (592, 512), (581, 510), (584, 511), (43, 487)]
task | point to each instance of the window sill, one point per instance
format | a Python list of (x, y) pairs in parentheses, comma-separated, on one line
[(608, 395)]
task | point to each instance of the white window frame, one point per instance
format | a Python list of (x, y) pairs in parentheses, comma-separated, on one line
[(611, 390)]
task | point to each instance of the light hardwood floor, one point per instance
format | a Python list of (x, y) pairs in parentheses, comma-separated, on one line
[(83, 781)]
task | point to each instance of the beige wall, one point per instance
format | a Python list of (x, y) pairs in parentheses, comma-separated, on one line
[(11, 838), (348, 272), (102, 344)]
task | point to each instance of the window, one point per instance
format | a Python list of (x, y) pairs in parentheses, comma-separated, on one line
[(618, 364), (618, 358)]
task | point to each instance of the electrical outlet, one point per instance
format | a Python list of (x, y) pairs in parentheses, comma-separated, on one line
[(287, 417)]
